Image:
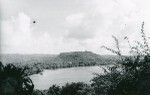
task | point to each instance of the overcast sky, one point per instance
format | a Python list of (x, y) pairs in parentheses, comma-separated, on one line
[(70, 25)]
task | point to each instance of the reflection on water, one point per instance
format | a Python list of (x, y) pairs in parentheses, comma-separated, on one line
[(62, 76)]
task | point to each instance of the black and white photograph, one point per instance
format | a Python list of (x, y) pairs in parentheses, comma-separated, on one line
[(74, 47)]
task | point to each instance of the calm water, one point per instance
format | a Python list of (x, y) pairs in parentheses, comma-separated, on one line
[(62, 76)]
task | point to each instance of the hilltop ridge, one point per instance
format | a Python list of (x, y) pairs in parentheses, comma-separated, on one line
[(37, 62)]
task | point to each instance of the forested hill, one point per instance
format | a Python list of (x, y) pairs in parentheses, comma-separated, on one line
[(66, 57), (85, 58), (38, 62), (26, 58)]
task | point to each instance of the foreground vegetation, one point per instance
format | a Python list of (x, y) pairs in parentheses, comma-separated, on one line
[(69, 89), (129, 76), (14, 81)]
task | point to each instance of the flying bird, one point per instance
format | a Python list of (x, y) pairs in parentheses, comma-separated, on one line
[(34, 21)]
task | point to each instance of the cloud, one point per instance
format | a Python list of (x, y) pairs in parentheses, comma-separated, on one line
[(75, 19), (20, 35), (83, 26), (104, 18), (15, 33), (17, 36), (80, 33), (75, 25)]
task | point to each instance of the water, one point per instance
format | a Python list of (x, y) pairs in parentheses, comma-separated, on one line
[(62, 76)]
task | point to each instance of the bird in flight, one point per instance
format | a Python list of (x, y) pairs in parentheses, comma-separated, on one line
[(34, 21)]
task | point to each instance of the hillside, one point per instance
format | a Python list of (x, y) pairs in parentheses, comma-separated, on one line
[(37, 62), (85, 58), (66, 57), (26, 58)]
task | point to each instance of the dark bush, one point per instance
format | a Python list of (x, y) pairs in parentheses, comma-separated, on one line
[(54, 90), (76, 89), (14, 81)]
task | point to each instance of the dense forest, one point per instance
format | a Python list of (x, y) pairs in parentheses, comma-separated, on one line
[(36, 63)]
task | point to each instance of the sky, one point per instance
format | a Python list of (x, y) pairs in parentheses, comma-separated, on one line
[(70, 25)]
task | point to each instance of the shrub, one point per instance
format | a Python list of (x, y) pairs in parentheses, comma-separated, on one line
[(54, 90), (78, 88), (133, 75), (14, 81)]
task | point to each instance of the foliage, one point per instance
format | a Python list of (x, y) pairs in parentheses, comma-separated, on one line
[(38, 92), (78, 88), (14, 81), (103, 83), (54, 90), (131, 76)]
